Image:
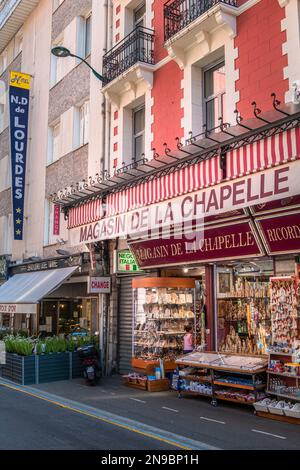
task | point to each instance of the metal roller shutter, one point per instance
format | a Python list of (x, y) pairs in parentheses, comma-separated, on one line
[(125, 324)]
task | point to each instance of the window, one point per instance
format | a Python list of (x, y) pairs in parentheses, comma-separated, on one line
[(139, 16), (54, 143), (84, 112), (2, 109), (4, 173), (3, 61), (18, 45), (6, 234), (57, 66), (138, 132), (88, 35), (214, 94)]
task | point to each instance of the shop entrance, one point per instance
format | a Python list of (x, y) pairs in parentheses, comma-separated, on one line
[(67, 316)]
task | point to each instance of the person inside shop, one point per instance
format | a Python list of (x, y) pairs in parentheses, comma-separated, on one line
[(188, 343)]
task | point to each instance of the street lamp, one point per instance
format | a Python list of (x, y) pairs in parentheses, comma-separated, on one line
[(61, 51)]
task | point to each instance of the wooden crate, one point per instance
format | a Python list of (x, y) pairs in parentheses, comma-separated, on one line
[(135, 383), (148, 367), (144, 367), (284, 419), (159, 385)]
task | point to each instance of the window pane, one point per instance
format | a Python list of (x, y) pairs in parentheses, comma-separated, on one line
[(214, 95), (139, 121), (138, 146), (55, 134), (139, 14), (88, 35), (214, 81)]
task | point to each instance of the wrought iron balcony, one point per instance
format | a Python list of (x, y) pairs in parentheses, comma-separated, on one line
[(180, 13), (138, 46)]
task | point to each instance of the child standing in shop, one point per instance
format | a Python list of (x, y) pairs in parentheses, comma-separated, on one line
[(188, 343)]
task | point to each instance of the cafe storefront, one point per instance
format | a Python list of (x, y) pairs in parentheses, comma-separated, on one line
[(50, 297)]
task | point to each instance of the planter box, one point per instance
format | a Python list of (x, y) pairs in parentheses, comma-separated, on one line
[(76, 366), (53, 367), (19, 369), (28, 370)]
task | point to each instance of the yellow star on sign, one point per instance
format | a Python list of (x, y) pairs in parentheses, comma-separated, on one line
[(18, 211), (18, 232), (18, 221)]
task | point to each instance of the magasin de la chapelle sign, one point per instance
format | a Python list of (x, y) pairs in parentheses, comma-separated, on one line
[(19, 90), (257, 188)]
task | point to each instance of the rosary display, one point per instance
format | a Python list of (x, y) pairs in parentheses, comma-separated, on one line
[(244, 318), (284, 311), (161, 315)]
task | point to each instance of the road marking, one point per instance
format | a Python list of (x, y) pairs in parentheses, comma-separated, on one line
[(128, 424), (136, 399), (170, 409), (268, 434), (213, 420)]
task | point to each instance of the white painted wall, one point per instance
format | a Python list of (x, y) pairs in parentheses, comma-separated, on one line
[(96, 130), (36, 61)]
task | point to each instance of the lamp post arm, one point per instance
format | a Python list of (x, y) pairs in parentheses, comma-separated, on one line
[(97, 75)]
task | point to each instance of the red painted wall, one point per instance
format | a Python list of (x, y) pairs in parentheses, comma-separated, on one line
[(166, 92), (166, 108), (260, 61), (158, 25)]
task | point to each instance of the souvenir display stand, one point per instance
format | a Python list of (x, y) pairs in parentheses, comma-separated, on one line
[(228, 377), (244, 317), (283, 384), (162, 309), (283, 387)]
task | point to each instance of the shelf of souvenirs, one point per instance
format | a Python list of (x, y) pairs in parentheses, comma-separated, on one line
[(238, 297), (222, 383), (158, 318), (283, 352), (266, 320), (163, 304), (283, 374), (221, 395), (284, 395), (172, 333), (146, 345)]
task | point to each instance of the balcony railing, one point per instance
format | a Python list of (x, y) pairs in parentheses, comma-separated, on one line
[(180, 13), (138, 46)]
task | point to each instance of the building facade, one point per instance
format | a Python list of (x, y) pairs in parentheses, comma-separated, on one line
[(175, 74)]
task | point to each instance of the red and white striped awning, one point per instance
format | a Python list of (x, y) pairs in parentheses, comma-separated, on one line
[(257, 156)]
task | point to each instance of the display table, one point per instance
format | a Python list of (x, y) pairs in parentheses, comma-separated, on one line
[(228, 377)]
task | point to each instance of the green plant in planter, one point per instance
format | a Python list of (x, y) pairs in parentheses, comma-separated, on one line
[(55, 345), (18, 345)]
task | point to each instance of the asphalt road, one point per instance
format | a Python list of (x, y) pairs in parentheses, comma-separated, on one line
[(227, 426), (30, 423)]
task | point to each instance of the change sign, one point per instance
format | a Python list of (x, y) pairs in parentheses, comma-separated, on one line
[(19, 89)]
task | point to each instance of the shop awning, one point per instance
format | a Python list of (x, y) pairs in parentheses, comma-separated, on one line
[(29, 288)]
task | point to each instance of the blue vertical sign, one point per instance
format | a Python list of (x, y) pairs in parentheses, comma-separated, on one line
[(19, 89)]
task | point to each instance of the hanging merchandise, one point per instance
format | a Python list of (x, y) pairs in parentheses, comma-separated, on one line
[(244, 325), (284, 310)]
